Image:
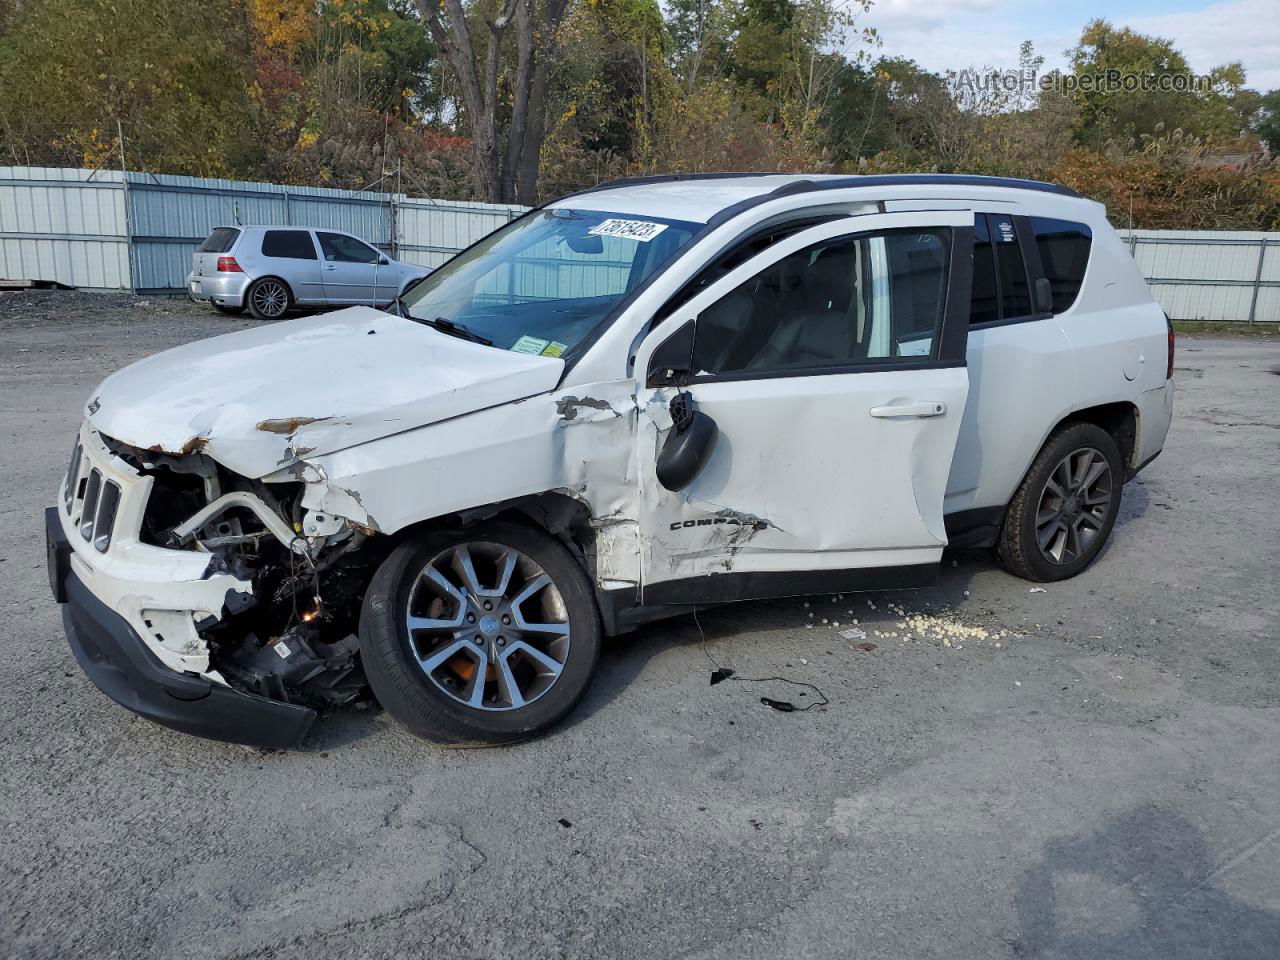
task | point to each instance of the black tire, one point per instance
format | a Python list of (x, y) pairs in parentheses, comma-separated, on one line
[(257, 291), (402, 685), (1019, 546), (228, 309)]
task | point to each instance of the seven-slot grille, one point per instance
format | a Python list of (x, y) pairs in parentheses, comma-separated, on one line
[(97, 499)]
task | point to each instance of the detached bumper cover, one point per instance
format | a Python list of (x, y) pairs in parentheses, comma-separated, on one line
[(117, 660)]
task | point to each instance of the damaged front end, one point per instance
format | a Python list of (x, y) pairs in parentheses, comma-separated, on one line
[(290, 637), (229, 579)]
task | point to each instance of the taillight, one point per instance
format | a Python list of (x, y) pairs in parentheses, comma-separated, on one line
[(228, 265), (1168, 374)]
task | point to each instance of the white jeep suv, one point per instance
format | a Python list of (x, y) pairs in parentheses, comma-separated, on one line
[(652, 395)]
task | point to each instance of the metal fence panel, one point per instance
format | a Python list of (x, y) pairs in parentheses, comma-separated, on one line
[(1214, 275), (64, 226), (431, 231)]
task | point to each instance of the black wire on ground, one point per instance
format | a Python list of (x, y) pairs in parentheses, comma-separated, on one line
[(722, 673)]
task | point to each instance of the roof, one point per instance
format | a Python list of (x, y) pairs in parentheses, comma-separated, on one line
[(701, 196)]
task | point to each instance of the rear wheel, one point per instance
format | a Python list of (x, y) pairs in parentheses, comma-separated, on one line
[(1064, 510), (480, 636), (269, 298)]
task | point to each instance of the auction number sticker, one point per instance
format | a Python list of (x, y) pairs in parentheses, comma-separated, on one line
[(528, 344), (642, 230)]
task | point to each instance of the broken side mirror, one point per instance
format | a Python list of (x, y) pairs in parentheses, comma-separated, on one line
[(672, 362), (1044, 295), (688, 446)]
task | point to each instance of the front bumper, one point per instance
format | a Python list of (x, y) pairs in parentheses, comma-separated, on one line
[(225, 289), (122, 666)]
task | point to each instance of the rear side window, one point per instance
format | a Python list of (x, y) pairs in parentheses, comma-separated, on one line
[(1064, 254), (290, 244), (220, 241), (985, 305), (1015, 292)]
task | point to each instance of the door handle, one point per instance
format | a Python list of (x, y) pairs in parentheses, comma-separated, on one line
[(919, 408), (331, 266)]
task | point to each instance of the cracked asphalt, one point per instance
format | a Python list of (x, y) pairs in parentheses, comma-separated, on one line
[(1088, 772)]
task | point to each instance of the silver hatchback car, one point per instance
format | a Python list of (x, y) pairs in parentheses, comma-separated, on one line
[(270, 269)]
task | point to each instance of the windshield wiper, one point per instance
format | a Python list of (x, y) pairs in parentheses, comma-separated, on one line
[(445, 325)]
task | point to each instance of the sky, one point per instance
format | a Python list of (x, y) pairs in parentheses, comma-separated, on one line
[(955, 34)]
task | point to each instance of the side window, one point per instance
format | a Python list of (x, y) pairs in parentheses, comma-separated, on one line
[(738, 254), (343, 249), (1064, 254), (1015, 294), (985, 305), (848, 300), (290, 244)]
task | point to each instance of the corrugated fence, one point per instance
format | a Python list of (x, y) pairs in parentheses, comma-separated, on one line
[(1210, 274), (105, 230)]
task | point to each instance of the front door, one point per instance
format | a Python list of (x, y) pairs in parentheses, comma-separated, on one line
[(350, 268), (833, 367)]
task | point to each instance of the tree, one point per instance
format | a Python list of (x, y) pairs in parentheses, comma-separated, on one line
[(173, 73), (1124, 114), (1266, 121), (500, 175), (702, 33)]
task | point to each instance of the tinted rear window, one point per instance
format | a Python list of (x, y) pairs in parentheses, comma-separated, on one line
[(291, 244), (1064, 254), (985, 306), (220, 241), (1015, 294)]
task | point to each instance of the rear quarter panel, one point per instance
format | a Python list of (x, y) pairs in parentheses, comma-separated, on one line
[(1119, 342)]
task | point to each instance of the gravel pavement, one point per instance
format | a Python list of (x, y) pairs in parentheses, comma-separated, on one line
[(1091, 771)]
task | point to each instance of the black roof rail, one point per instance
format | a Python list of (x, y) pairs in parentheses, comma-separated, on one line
[(843, 183), (923, 179)]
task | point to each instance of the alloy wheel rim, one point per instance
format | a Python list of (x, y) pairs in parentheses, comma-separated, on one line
[(1073, 506), (488, 626), (270, 298)]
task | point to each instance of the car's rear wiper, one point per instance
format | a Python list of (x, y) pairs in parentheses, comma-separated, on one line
[(445, 325)]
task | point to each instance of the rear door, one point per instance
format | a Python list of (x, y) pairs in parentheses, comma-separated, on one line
[(350, 267), (833, 368)]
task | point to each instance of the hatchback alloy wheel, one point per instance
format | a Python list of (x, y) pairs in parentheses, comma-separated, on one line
[(270, 299)]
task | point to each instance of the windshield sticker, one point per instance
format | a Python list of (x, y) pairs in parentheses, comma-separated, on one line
[(527, 344), (554, 349), (642, 230)]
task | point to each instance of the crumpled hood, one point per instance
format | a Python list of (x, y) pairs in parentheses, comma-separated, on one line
[(259, 399)]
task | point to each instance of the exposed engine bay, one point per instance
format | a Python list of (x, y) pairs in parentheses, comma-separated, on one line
[(293, 637)]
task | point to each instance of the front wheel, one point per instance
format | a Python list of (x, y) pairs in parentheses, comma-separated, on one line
[(480, 636), (1063, 512), (268, 298)]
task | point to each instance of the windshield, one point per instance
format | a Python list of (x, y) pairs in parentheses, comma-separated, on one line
[(541, 284)]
